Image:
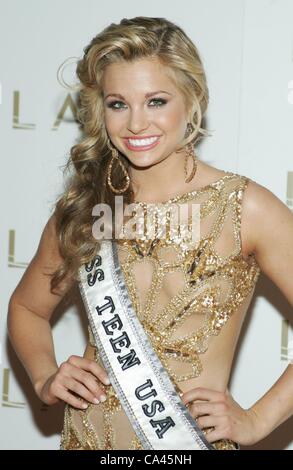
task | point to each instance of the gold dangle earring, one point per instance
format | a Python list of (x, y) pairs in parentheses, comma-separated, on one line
[(190, 153), (115, 156)]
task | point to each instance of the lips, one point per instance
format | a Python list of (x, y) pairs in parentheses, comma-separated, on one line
[(141, 137), (138, 148)]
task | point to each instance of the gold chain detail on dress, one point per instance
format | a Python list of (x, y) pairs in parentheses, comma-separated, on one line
[(203, 271)]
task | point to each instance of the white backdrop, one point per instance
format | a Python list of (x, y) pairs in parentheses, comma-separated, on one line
[(246, 47)]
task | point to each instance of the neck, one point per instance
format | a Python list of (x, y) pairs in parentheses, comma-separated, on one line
[(161, 181)]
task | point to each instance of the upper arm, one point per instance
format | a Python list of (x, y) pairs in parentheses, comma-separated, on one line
[(33, 290), (268, 226)]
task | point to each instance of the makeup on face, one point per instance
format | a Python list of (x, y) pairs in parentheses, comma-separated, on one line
[(145, 114)]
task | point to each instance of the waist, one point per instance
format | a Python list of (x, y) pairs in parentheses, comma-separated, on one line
[(91, 352), (208, 378)]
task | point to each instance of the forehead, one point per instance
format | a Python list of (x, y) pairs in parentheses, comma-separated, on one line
[(140, 75)]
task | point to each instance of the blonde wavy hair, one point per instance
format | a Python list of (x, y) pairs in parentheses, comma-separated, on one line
[(131, 39)]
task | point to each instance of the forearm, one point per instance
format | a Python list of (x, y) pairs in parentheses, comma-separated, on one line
[(32, 340), (276, 406)]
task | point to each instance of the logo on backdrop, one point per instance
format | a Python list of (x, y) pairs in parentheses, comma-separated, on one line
[(68, 103)]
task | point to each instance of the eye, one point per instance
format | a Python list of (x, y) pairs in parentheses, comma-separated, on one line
[(112, 104), (159, 102)]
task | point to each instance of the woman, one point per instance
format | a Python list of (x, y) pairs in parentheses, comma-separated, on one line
[(143, 95)]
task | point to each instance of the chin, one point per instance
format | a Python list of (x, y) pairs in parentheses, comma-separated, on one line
[(142, 159), (144, 162)]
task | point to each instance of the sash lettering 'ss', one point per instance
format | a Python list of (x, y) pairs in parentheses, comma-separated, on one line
[(143, 386)]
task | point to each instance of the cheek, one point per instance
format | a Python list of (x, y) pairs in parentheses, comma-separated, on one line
[(173, 119), (113, 121)]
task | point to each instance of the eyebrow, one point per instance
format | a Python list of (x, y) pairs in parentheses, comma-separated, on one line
[(147, 95)]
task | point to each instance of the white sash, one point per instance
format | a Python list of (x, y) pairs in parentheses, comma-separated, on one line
[(155, 410)]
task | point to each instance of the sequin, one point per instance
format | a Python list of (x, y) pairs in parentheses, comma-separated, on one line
[(183, 292)]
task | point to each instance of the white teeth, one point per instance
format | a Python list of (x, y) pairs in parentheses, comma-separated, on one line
[(141, 142)]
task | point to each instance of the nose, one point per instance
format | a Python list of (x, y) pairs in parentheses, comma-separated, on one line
[(137, 122)]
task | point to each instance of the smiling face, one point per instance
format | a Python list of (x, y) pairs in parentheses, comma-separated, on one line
[(147, 103)]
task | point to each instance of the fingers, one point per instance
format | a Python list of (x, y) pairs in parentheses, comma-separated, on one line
[(207, 421), (79, 376), (208, 408), (202, 394), (82, 382), (90, 366), (60, 392), (94, 392), (214, 435), (211, 409), (82, 391), (69, 398)]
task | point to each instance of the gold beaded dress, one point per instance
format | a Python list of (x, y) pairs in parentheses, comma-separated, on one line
[(191, 298)]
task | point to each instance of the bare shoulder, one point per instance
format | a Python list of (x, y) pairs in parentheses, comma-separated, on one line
[(208, 174), (262, 213), (268, 230)]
